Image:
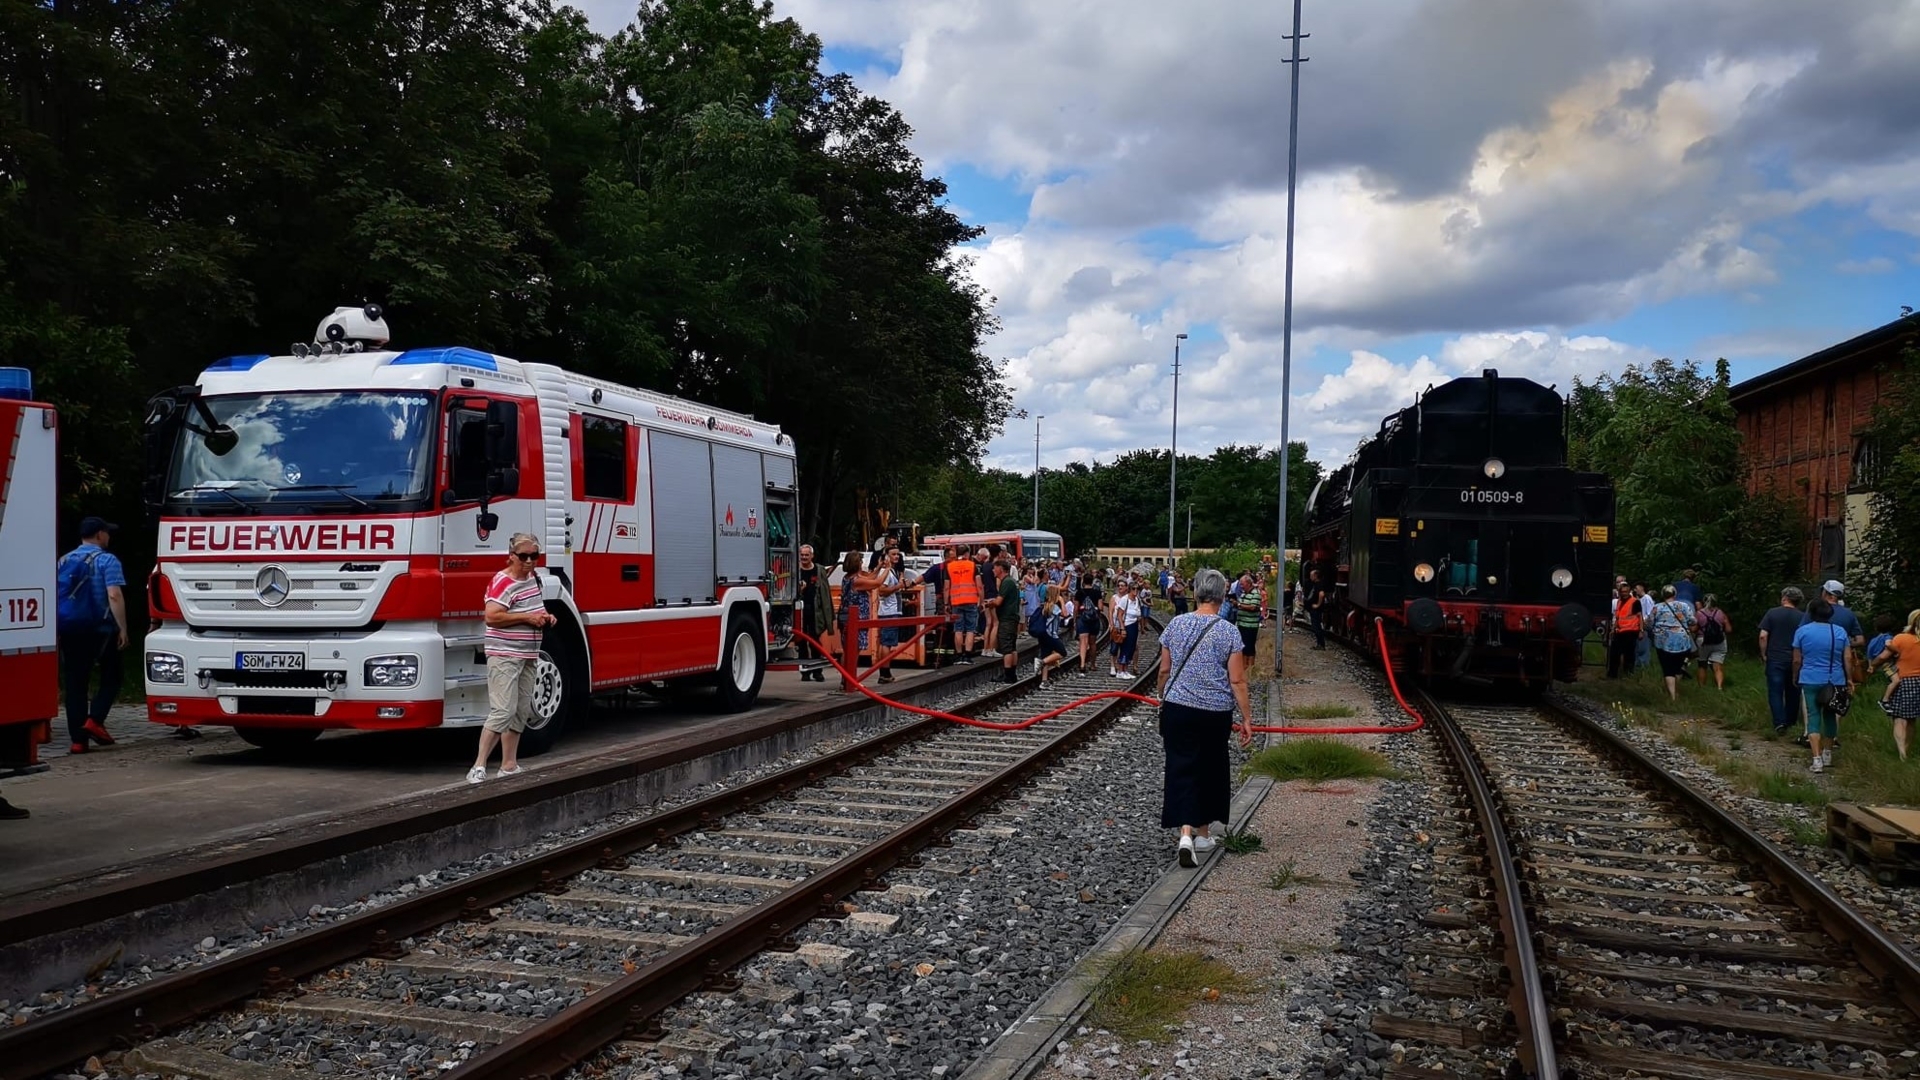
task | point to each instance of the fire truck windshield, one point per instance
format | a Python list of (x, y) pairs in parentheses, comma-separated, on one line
[(307, 451)]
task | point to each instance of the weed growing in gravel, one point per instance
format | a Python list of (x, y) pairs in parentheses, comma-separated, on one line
[(1323, 711), (1690, 740), (1287, 877), (1141, 995), (1241, 842), (1317, 760), (1804, 833)]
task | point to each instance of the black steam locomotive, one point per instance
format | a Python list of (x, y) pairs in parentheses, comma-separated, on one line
[(1462, 527)]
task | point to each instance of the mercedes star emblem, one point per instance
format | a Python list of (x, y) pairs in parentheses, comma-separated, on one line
[(273, 586)]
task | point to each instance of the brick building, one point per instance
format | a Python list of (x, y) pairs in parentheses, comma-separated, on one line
[(1803, 426)]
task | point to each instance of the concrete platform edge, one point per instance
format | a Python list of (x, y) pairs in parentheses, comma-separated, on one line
[(1022, 1049), (71, 955)]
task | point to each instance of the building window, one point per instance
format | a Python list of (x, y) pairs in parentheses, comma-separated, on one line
[(603, 454), (1869, 469)]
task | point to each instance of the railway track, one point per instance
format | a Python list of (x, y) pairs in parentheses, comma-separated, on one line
[(593, 941), (1639, 929)]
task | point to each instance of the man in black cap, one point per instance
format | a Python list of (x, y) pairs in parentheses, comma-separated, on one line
[(92, 630)]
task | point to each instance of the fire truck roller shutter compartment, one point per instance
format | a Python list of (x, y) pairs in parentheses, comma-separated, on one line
[(739, 528), (779, 472), (683, 498)]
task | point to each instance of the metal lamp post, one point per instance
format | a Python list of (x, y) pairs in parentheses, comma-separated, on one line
[(1173, 458), (1036, 470), (1286, 339)]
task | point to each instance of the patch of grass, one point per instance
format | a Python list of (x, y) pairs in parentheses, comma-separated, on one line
[(1144, 994), (1317, 760), (1804, 833), (1241, 842), (1785, 787), (1287, 877), (1324, 711), (1866, 770), (1689, 739)]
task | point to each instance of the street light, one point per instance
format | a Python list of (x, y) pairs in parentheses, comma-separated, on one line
[(1036, 470), (1173, 463)]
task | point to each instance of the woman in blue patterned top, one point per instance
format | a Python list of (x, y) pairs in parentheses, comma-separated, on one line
[(1203, 675)]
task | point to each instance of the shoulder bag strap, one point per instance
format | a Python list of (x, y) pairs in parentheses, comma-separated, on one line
[(1174, 678)]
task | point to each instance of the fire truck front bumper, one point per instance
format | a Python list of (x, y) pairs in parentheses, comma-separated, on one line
[(388, 679)]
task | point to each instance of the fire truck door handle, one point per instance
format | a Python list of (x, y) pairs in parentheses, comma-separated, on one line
[(630, 572)]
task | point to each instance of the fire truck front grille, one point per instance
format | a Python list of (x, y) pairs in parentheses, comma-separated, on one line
[(277, 706), (275, 680)]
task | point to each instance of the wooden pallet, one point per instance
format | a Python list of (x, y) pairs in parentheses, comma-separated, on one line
[(1885, 840)]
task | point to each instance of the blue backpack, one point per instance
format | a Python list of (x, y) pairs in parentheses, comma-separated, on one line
[(80, 606)]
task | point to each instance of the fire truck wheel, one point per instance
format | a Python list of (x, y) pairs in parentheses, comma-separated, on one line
[(559, 690), (744, 665), (276, 739)]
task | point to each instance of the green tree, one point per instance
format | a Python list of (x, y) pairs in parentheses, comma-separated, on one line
[(1889, 559), (1665, 435)]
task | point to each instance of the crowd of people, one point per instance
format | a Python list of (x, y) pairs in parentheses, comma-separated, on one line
[(987, 597), (1817, 654)]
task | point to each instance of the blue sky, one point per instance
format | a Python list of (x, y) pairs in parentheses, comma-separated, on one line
[(1553, 187)]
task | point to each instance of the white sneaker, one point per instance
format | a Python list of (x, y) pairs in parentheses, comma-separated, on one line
[(1818, 765), (1202, 845), (1826, 758), (991, 654), (1187, 859), (476, 774), (1113, 673), (515, 771)]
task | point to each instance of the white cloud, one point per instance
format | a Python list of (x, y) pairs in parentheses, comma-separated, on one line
[(1878, 264), (1501, 173)]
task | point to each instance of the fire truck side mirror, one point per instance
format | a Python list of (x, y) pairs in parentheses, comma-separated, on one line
[(503, 435)]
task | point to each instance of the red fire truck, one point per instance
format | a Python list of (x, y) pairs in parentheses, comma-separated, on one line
[(329, 521), (28, 668)]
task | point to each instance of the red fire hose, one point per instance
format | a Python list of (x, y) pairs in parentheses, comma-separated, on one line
[(1380, 627), (1018, 725), (1105, 695)]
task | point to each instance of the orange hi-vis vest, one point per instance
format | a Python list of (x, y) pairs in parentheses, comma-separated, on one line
[(962, 587), (1626, 614)]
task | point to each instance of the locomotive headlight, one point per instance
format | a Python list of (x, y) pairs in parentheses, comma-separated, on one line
[(393, 672), (165, 667), (1561, 577), (1423, 573), (1494, 468)]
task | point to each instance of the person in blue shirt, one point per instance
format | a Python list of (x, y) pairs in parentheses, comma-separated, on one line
[(90, 566), (1848, 622), (1819, 667), (1688, 591)]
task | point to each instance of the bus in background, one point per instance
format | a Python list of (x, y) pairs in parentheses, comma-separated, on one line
[(1026, 544)]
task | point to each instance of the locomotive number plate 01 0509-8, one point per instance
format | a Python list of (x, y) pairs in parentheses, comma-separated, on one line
[(1499, 498)]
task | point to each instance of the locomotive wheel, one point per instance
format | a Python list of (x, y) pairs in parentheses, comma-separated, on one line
[(278, 740), (743, 666), (559, 691)]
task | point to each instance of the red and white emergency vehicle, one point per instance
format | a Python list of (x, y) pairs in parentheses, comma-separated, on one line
[(329, 521), (29, 668)]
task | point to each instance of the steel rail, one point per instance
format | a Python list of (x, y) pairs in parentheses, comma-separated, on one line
[(142, 1012), (1880, 954), (624, 1007), (35, 918), (1526, 994)]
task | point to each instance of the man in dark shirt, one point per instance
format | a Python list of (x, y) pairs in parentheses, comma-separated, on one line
[(1007, 604), (1777, 628), (1688, 589)]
